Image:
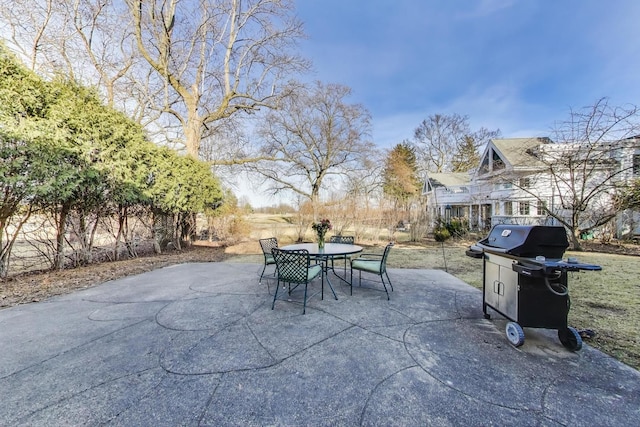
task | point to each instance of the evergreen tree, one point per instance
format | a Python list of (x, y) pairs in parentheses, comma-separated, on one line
[(400, 176), (466, 156)]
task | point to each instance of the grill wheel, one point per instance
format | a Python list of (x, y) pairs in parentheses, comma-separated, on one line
[(570, 338), (515, 334)]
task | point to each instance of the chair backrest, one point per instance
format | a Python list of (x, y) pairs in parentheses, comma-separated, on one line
[(342, 239), (383, 262), (268, 244), (292, 266)]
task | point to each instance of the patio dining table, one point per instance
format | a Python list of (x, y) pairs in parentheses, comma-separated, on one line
[(326, 254)]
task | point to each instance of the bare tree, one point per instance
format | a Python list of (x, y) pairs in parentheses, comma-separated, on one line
[(442, 140), (315, 135), (217, 58), (210, 59), (90, 41), (25, 26), (99, 39)]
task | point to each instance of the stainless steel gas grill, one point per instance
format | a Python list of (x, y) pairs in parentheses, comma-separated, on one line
[(525, 279)]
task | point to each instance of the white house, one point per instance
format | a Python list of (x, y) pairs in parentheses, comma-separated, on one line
[(514, 182)]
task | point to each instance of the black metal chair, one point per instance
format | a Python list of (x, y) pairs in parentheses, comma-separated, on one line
[(294, 267), (267, 245), (372, 263), (350, 240)]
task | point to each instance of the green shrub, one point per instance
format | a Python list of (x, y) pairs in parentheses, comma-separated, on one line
[(456, 227), (441, 234)]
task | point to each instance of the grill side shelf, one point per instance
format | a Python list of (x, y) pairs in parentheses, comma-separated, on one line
[(550, 267), (531, 271)]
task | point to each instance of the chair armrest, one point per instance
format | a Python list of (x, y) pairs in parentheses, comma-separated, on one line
[(364, 256)]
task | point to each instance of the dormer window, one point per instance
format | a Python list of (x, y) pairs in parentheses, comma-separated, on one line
[(492, 162), (484, 166), (498, 163)]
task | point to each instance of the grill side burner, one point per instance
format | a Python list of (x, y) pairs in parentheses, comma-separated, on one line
[(525, 279)]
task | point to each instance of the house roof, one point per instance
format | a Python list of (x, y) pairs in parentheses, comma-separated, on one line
[(517, 151), (450, 179)]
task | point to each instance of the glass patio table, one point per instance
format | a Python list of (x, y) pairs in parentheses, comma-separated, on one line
[(326, 254)]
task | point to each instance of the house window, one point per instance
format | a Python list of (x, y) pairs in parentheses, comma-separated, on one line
[(508, 208), (636, 164), (542, 207), (484, 166), (498, 163), (524, 207), (524, 183)]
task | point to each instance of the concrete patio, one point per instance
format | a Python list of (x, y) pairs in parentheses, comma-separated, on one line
[(198, 344)]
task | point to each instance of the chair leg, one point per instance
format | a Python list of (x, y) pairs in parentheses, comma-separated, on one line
[(323, 273), (389, 280), (304, 303), (264, 268), (262, 274), (351, 282), (381, 278), (275, 295), (385, 286)]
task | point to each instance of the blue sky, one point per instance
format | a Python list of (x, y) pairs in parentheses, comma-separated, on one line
[(508, 64)]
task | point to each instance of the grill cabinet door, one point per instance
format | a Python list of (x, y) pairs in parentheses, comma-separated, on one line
[(492, 283), (501, 285), (509, 303)]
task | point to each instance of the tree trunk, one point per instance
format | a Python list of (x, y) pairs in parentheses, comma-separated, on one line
[(161, 229), (58, 260), (575, 240), (192, 134), (122, 212)]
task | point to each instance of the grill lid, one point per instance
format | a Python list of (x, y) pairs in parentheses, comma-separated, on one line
[(526, 240)]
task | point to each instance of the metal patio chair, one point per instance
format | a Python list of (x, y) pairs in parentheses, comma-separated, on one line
[(294, 268), (372, 263), (267, 245), (350, 240)]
